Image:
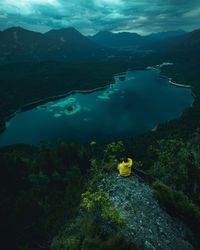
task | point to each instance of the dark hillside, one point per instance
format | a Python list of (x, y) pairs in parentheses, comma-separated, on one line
[(117, 40), (188, 48), (155, 42), (70, 44), (19, 45)]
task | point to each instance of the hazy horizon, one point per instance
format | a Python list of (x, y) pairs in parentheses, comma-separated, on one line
[(114, 32)]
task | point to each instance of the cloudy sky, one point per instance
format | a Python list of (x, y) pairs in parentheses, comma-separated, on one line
[(91, 16)]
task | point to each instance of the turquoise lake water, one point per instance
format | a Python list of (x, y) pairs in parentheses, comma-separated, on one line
[(124, 109)]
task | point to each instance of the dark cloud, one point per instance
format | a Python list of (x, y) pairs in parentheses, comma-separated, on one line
[(90, 16)]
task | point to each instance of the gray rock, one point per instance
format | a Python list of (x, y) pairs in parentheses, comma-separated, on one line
[(146, 222)]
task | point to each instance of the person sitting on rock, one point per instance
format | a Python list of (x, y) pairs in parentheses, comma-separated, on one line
[(125, 167)]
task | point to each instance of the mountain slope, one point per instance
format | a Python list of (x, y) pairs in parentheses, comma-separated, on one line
[(166, 34), (188, 48), (155, 41), (146, 222), (116, 210), (117, 40), (164, 44), (17, 44), (72, 44)]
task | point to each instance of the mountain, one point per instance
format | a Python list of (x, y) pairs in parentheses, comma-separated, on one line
[(165, 35), (18, 44), (164, 44), (117, 40), (188, 48), (134, 41), (70, 43)]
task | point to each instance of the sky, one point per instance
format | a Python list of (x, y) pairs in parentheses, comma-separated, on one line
[(92, 16)]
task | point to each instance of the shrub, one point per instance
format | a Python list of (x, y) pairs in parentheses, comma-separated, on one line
[(114, 150), (173, 163), (107, 163), (100, 226), (178, 204)]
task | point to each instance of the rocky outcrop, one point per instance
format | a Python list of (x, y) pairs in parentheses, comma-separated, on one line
[(146, 222)]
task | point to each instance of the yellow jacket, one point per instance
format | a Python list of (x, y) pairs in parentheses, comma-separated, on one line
[(125, 167)]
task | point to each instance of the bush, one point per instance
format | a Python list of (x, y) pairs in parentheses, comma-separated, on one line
[(173, 164), (178, 204), (108, 159), (99, 227)]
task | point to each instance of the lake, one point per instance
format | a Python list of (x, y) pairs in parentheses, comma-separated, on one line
[(137, 102)]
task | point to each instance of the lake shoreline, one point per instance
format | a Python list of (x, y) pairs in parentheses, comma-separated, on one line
[(173, 83), (34, 104), (159, 67)]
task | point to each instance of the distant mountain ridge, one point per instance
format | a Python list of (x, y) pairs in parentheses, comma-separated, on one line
[(68, 44), (134, 40), (188, 48), (116, 40), (18, 44), (166, 34)]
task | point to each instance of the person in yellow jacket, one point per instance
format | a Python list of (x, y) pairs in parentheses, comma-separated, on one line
[(125, 167)]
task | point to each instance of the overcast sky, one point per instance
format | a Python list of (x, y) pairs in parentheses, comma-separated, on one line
[(91, 16)]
